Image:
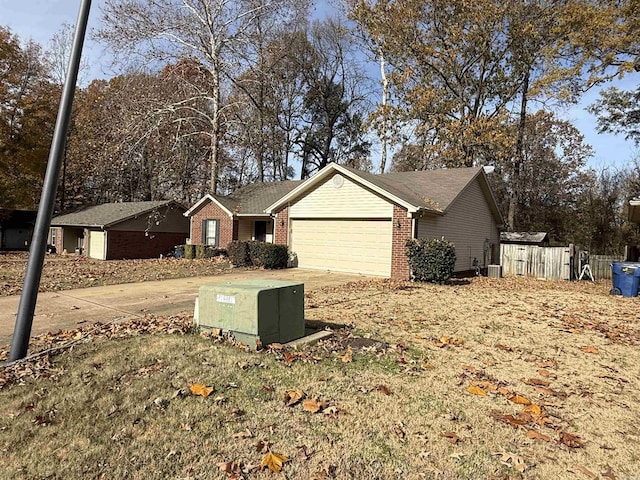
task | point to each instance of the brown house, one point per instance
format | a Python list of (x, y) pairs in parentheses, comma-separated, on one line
[(347, 220), (218, 220), (121, 230)]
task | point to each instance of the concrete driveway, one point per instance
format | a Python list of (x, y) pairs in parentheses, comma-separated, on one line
[(70, 308)]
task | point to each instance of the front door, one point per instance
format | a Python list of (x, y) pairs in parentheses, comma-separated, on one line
[(261, 231)]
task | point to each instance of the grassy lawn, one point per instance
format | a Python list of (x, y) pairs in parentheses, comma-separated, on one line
[(64, 272), (486, 378)]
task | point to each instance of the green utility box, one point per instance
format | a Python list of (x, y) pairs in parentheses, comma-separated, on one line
[(251, 310)]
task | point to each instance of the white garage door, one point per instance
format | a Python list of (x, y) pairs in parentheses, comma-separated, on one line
[(96, 244), (345, 245)]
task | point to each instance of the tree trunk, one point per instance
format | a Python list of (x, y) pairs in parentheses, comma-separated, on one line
[(518, 161), (385, 133), (215, 132)]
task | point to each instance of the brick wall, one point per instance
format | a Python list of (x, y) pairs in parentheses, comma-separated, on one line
[(281, 232), (122, 244), (399, 263), (211, 211), (58, 242)]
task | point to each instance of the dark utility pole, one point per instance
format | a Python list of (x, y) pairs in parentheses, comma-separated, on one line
[(27, 306)]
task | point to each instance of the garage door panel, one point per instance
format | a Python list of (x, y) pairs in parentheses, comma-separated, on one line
[(347, 245)]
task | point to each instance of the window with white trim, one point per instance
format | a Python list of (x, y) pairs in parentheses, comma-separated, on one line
[(211, 232)]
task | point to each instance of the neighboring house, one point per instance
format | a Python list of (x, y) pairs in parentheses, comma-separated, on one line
[(352, 221), (540, 239), (218, 220), (16, 228), (121, 230)]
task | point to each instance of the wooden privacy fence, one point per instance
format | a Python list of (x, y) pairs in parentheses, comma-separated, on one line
[(551, 263), (601, 265)]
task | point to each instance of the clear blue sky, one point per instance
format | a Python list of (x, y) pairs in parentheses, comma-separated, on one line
[(40, 19)]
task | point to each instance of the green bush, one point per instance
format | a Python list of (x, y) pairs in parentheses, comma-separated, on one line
[(212, 252), (238, 253), (274, 256), (258, 254), (189, 252), (431, 260), (200, 251)]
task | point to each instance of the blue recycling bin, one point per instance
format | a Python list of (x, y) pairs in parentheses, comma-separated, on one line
[(626, 278)]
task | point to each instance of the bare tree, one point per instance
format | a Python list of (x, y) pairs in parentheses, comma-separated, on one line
[(211, 32)]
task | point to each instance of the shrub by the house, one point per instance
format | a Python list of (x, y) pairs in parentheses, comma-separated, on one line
[(430, 259), (238, 252), (258, 254)]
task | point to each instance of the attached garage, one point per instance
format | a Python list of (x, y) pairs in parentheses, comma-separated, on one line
[(347, 220), (355, 245)]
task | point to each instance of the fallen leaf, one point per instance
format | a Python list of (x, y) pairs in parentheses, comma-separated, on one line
[(589, 349), (520, 400), (550, 392), (263, 446), (292, 397), (313, 405), (383, 389), (532, 410), (289, 357), (537, 436), (571, 440), (505, 348), (545, 373), (200, 389), (506, 418), (476, 390), (398, 429), (536, 381), (273, 461), (588, 473), (547, 364), (451, 437), (469, 368), (348, 356), (512, 460), (608, 474), (244, 434)]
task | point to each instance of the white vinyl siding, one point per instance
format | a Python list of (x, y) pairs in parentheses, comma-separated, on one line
[(97, 244), (467, 223), (343, 245), (245, 229), (346, 201)]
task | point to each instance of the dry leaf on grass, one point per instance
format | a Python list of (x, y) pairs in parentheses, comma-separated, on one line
[(451, 437), (263, 446), (244, 434), (348, 356), (313, 405), (536, 381), (571, 440), (273, 461), (589, 349), (292, 397), (200, 389), (532, 410), (383, 389), (588, 473), (474, 389), (520, 400), (512, 460), (532, 434)]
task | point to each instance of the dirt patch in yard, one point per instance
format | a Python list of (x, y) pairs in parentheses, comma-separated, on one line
[(487, 378), (64, 272)]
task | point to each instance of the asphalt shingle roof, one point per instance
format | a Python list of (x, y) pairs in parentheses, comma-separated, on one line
[(429, 189), (106, 214), (254, 198)]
